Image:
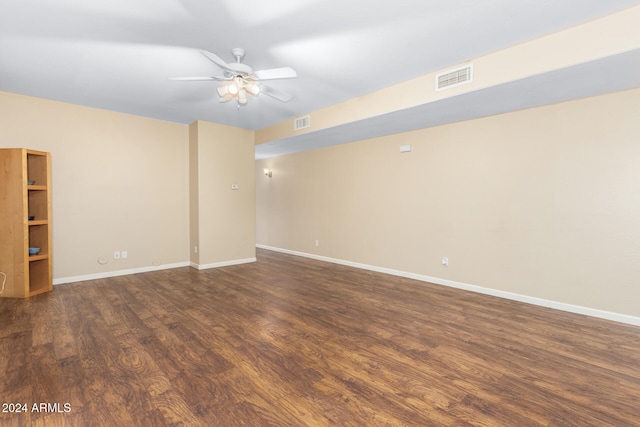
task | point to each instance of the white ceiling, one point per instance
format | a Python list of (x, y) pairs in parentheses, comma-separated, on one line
[(118, 54)]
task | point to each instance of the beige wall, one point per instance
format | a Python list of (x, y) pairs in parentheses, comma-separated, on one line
[(120, 182), (543, 202), (226, 230)]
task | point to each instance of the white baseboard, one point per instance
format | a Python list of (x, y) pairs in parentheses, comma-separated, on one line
[(126, 272), (616, 317), (117, 273), (223, 263)]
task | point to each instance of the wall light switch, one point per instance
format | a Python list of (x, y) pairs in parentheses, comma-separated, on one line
[(116, 254)]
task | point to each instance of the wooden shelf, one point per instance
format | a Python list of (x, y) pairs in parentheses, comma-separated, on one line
[(38, 272), (27, 275)]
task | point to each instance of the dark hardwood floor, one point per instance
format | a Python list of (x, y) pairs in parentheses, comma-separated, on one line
[(289, 341)]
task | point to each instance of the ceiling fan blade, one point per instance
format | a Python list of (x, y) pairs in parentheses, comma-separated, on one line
[(216, 60), (198, 78), (276, 94), (275, 73)]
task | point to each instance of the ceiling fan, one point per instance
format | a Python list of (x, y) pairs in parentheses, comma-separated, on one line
[(241, 81)]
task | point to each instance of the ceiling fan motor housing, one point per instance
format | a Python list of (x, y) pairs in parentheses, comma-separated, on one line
[(238, 53)]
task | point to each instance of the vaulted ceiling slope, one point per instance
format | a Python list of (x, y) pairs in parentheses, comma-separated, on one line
[(119, 54)]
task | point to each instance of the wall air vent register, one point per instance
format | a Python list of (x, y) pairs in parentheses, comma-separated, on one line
[(455, 77), (302, 122)]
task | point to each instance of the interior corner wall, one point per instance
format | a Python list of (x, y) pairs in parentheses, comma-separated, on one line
[(542, 202), (225, 230), (194, 196), (119, 182)]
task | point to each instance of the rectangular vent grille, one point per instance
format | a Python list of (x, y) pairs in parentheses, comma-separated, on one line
[(453, 78), (302, 122)]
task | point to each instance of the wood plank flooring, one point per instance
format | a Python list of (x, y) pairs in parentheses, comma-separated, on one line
[(289, 341)]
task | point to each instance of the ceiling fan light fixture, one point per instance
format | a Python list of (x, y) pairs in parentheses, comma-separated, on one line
[(242, 97), (239, 88), (252, 88), (226, 90)]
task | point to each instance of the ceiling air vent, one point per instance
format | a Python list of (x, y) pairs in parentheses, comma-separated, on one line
[(456, 77), (302, 122)]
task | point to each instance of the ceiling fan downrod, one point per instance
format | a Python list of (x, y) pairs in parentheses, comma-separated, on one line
[(238, 53)]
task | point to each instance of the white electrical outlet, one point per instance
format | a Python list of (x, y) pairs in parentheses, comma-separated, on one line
[(234, 186), (116, 254), (123, 254), (445, 261), (317, 242)]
